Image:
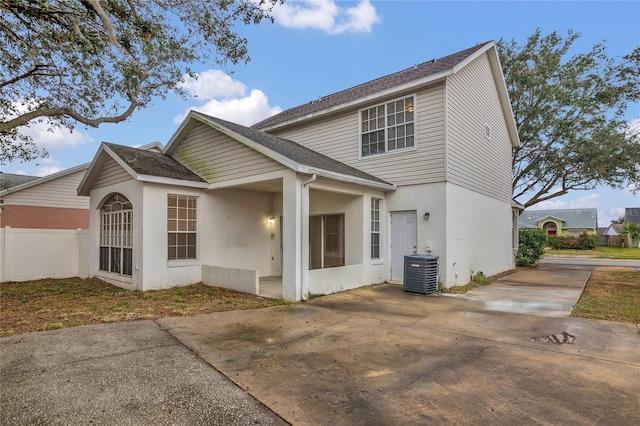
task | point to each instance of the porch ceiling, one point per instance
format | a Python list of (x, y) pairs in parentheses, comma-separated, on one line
[(274, 185)]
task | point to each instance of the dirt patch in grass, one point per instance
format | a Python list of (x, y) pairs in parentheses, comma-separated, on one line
[(612, 293), (479, 280), (53, 304)]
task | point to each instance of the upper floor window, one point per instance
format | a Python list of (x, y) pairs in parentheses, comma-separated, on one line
[(181, 227), (387, 127)]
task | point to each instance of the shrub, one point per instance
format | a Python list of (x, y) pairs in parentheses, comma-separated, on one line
[(531, 244), (583, 242), (587, 242)]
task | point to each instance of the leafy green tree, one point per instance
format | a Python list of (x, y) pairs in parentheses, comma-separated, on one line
[(97, 61), (619, 220), (632, 230), (569, 111)]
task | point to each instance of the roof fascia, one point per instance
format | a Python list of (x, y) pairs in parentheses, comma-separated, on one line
[(171, 181), (45, 179), (503, 94), (386, 187)]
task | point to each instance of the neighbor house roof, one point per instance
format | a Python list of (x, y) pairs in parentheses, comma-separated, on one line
[(9, 180), (34, 180), (614, 229), (289, 153), (416, 76), (571, 218)]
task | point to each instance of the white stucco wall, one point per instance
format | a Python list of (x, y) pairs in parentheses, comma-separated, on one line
[(420, 198), (479, 234)]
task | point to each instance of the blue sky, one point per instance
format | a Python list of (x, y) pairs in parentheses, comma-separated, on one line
[(319, 47)]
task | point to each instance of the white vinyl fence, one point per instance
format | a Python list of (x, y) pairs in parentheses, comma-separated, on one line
[(30, 254)]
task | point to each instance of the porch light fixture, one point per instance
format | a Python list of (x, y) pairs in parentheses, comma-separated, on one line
[(271, 220), (426, 216)]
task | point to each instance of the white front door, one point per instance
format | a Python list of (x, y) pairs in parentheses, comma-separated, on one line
[(403, 241)]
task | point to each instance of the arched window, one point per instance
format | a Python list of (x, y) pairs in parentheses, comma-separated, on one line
[(116, 235), (550, 228)]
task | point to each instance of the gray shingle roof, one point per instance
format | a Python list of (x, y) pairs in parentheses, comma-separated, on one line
[(9, 180), (292, 150), (416, 72), (153, 163), (572, 218)]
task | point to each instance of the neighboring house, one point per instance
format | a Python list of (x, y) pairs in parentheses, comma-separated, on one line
[(563, 222), (49, 202), (330, 195), (614, 235), (632, 214)]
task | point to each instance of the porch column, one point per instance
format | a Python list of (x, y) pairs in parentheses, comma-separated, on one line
[(292, 209)]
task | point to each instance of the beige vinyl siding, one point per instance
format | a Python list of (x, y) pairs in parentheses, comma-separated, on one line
[(60, 193), (217, 157), (475, 162), (338, 137), (110, 174)]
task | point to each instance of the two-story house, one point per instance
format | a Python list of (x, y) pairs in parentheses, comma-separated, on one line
[(327, 196)]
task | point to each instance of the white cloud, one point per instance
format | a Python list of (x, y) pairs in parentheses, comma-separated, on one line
[(211, 84), (584, 202), (327, 16), (47, 135), (232, 104), (45, 171), (633, 127)]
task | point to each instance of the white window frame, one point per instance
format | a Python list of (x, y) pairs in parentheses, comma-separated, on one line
[(116, 235), (185, 229), (365, 128), (375, 227)]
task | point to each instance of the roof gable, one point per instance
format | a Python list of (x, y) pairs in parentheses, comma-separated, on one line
[(140, 164), (288, 153)]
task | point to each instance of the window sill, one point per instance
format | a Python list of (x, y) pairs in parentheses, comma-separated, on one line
[(182, 262), (395, 151), (377, 261)]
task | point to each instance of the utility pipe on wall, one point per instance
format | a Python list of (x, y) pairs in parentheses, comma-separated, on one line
[(304, 249)]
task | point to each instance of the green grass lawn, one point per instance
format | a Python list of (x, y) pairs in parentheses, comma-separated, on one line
[(603, 252)]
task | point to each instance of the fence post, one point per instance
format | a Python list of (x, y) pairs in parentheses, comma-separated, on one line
[(4, 254)]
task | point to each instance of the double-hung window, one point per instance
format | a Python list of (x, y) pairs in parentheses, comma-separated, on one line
[(181, 227), (387, 127)]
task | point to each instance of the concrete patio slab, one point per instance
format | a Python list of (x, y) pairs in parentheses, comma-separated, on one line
[(379, 355)]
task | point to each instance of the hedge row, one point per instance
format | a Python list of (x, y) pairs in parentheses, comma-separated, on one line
[(582, 242)]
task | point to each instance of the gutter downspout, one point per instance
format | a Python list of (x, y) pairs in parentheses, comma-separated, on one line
[(304, 249)]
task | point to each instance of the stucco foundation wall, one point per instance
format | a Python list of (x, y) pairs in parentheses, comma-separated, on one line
[(479, 232), (30, 254), (333, 280), (243, 280)]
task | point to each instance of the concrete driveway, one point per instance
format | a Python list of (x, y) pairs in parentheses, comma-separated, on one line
[(503, 354)]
